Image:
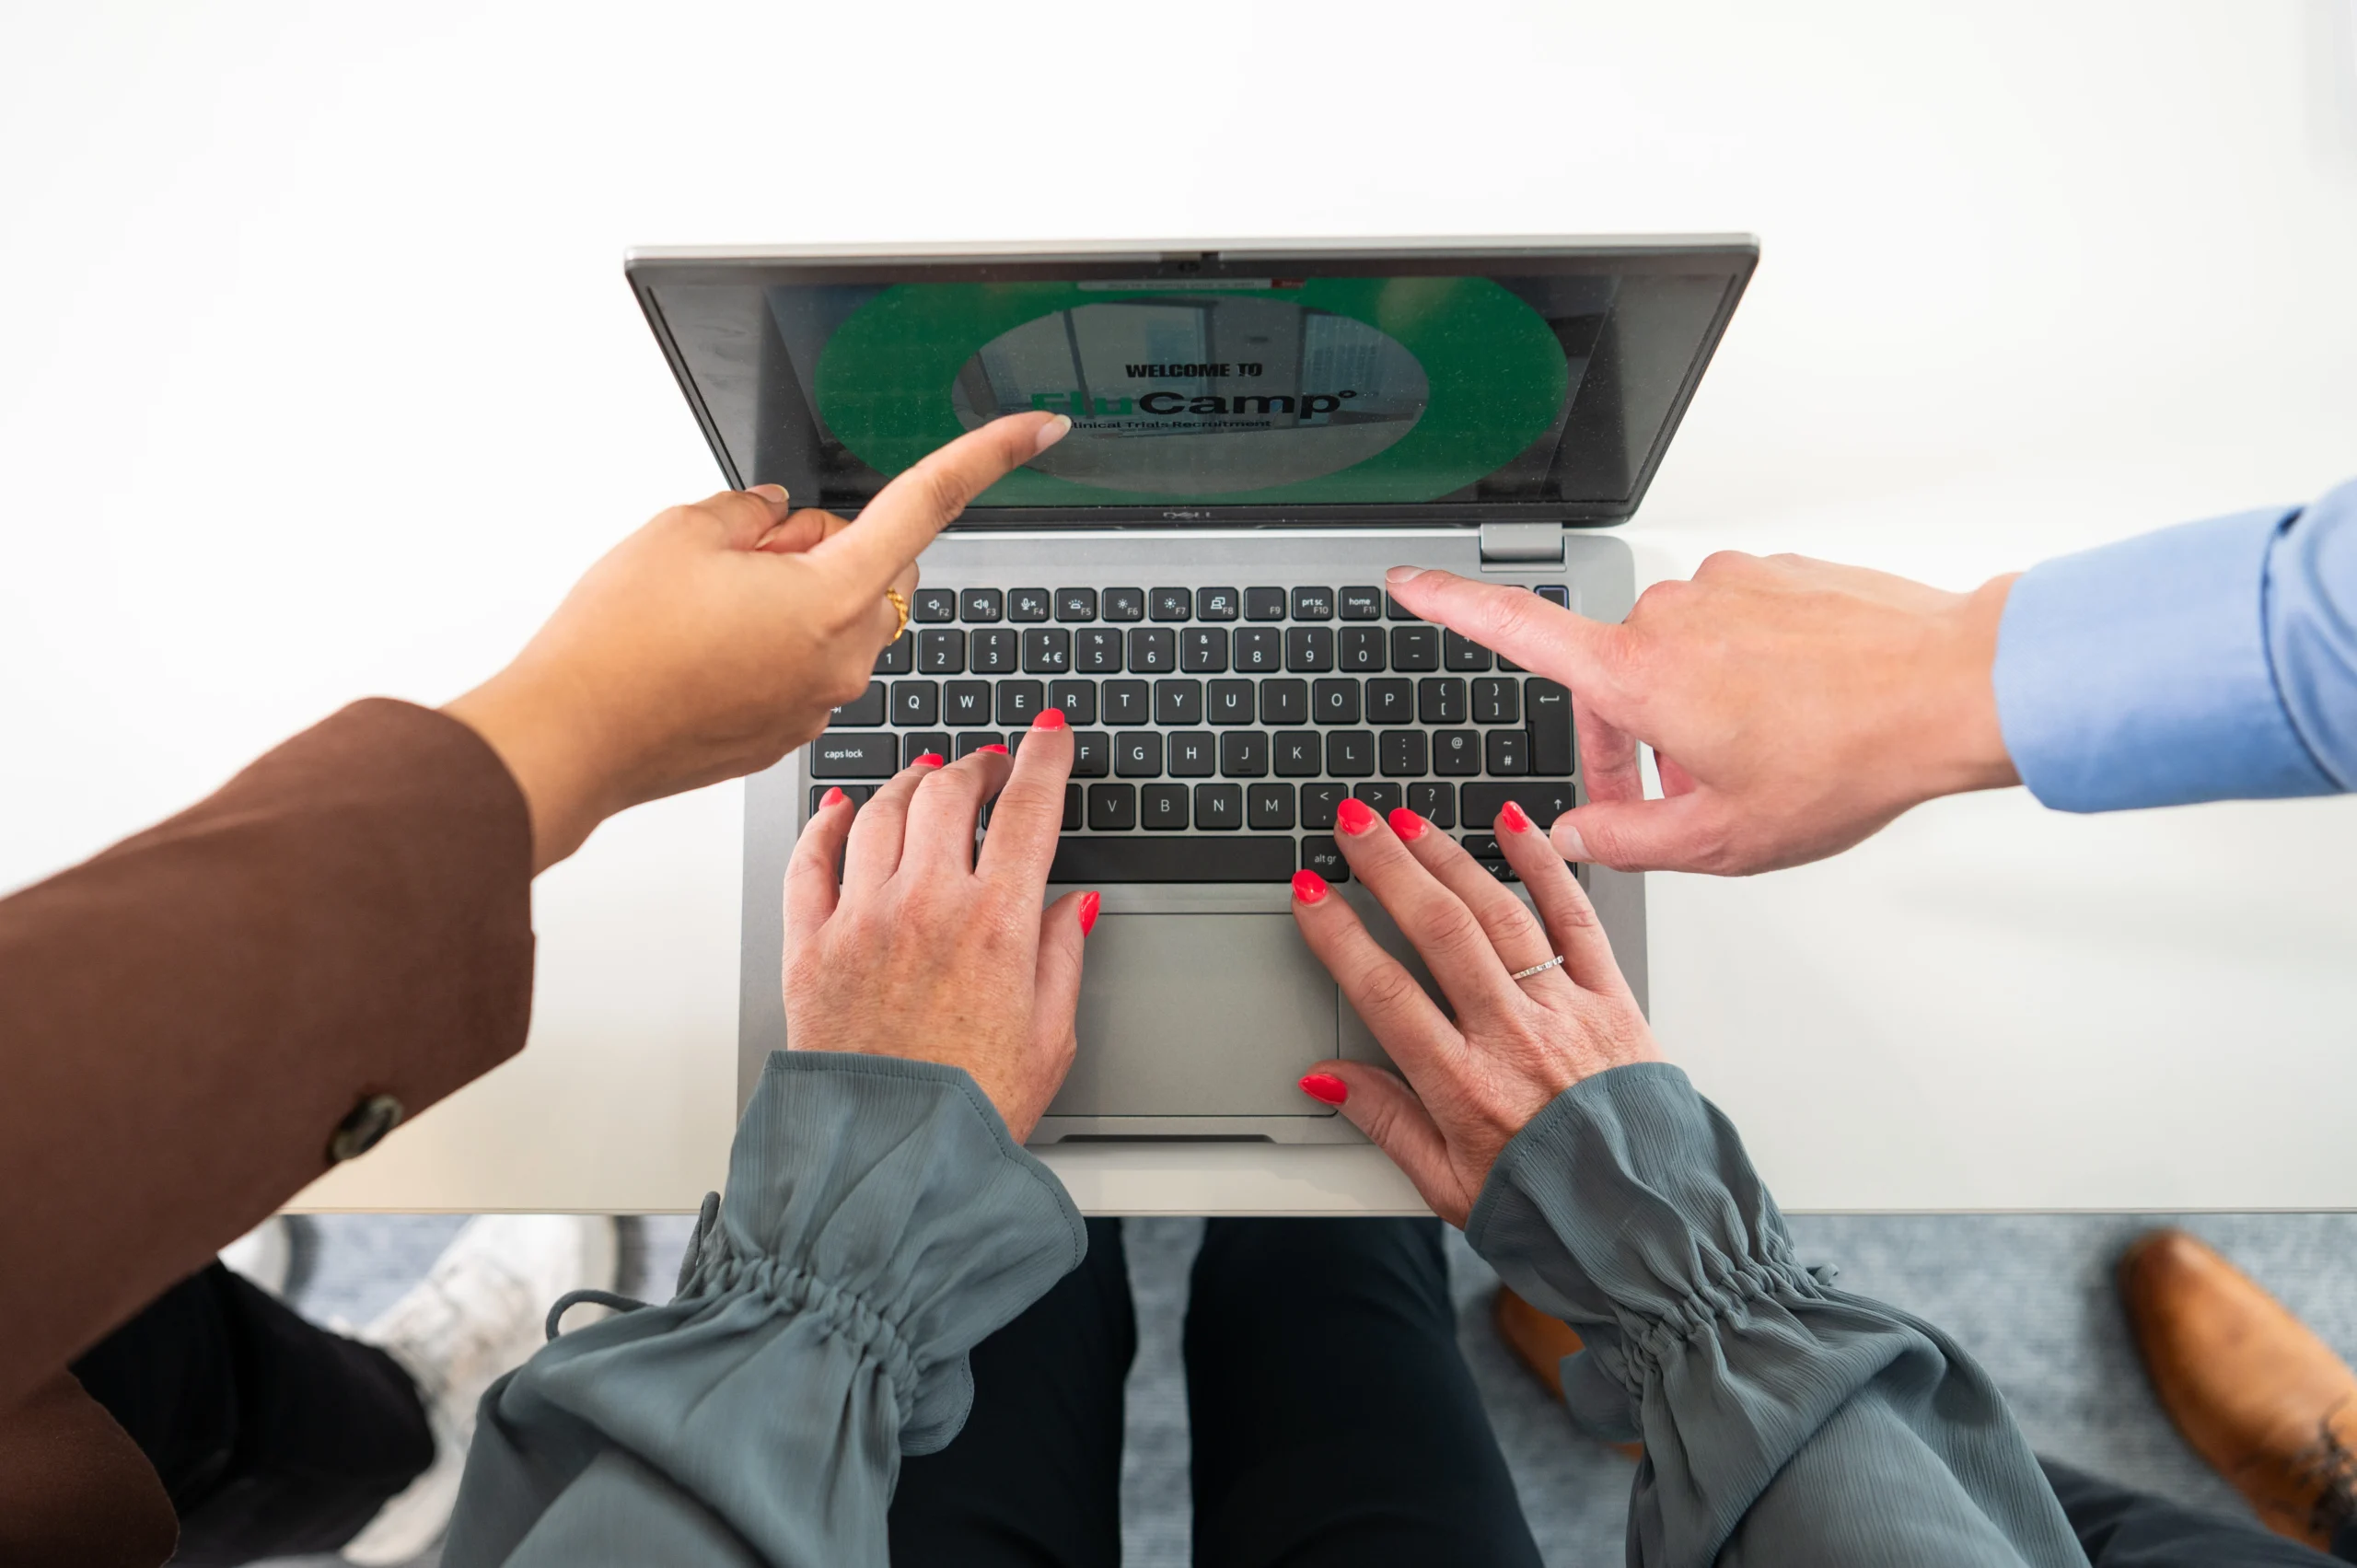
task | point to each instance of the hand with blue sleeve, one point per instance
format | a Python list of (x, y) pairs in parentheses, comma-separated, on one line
[(881, 1216), (1795, 707), (1784, 1423)]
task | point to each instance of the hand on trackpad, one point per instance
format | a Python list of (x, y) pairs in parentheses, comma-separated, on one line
[(1198, 1015)]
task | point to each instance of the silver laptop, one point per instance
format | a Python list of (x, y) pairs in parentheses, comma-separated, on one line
[(1194, 576)]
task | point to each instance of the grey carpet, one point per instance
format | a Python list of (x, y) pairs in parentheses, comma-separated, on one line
[(2031, 1294)]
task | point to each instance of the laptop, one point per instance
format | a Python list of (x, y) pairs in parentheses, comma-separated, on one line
[(1194, 576)]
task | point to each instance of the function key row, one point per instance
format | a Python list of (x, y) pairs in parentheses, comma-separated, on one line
[(985, 606)]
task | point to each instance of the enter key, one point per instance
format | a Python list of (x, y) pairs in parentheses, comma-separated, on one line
[(1549, 710)]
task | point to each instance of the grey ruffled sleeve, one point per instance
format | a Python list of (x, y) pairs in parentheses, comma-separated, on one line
[(878, 1222), (1785, 1423)]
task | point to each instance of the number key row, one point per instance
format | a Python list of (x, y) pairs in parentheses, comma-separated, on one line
[(1201, 650)]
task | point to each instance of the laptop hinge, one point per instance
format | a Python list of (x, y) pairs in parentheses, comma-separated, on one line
[(1522, 544)]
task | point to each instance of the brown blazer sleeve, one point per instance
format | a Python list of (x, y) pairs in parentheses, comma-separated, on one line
[(186, 1020)]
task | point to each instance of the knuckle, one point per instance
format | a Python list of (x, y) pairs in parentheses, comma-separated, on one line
[(949, 779), (1378, 1117), (1451, 932), (1387, 988), (1576, 912), (1653, 594), (1660, 599), (1514, 926), (676, 525), (1725, 564)]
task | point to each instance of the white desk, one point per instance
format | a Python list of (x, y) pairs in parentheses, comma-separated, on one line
[(319, 379)]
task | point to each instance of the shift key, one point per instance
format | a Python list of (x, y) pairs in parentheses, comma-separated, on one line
[(854, 756)]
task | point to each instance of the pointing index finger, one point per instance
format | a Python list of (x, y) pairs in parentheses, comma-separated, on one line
[(895, 526), (1556, 641)]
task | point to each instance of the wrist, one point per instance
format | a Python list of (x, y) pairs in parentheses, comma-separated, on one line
[(552, 753), (1961, 744)]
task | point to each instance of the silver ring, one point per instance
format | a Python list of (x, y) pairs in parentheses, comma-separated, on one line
[(1537, 968)]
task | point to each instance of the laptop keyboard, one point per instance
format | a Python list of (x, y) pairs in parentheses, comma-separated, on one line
[(1215, 729)]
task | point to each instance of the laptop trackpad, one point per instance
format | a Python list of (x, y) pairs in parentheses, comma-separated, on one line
[(1198, 1015)]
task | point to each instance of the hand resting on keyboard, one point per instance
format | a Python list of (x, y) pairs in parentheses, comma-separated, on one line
[(924, 949), (1513, 1045)]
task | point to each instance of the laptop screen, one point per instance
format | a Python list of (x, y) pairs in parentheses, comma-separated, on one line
[(1341, 392)]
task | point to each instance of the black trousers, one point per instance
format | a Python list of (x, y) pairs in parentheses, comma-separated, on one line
[(273, 1436), (1332, 1421), (2120, 1528)]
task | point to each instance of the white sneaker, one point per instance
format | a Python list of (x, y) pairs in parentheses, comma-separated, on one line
[(265, 1255), (478, 1316)]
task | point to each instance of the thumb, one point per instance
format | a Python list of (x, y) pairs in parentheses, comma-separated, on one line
[(746, 516), (1684, 834), (1557, 643), (1381, 1106)]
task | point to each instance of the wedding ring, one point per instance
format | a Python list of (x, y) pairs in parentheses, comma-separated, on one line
[(899, 603), (1537, 968)]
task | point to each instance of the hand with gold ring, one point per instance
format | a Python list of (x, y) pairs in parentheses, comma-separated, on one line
[(1538, 1002), (717, 637)]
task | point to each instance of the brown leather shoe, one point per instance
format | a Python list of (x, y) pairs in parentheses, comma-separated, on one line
[(1541, 1341), (2256, 1394)]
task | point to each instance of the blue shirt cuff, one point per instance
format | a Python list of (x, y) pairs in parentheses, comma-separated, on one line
[(2139, 674)]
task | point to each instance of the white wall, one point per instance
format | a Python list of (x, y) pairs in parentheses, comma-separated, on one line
[(318, 377)]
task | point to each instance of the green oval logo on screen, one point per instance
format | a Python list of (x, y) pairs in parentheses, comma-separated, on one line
[(1328, 391), (1200, 396)]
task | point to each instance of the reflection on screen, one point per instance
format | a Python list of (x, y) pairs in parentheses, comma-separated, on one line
[(1272, 393)]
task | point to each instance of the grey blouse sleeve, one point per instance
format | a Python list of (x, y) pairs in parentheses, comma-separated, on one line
[(1785, 1423), (878, 1222)]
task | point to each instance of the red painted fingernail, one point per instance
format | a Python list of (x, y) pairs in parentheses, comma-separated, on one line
[(1000, 749), (1406, 823), (1089, 904), (1513, 819), (1356, 816), (1308, 887), (1324, 1086), (1050, 718), (833, 797), (930, 760)]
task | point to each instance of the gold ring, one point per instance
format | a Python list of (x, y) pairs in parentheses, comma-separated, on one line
[(899, 603)]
